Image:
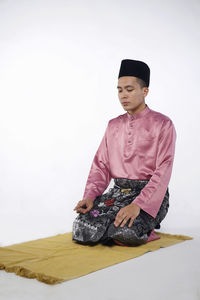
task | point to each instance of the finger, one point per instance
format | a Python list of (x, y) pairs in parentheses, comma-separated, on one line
[(87, 209), (118, 220), (131, 221), (80, 210), (124, 221), (119, 217), (120, 213), (78, 205)]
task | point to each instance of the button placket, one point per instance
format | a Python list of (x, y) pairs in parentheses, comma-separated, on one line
[(131, 125)]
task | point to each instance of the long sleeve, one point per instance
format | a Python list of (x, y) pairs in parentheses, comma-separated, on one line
[(152, 195), (99, 176)]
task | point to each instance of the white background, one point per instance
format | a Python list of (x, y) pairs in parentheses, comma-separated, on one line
[(59, 63)]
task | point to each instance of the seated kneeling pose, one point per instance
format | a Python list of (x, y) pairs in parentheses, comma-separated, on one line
[(137, 151)]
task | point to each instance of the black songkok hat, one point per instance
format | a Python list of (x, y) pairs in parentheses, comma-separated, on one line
[(135, 68)]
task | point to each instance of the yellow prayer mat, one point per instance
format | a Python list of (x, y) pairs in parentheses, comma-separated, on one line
[(58, 258)]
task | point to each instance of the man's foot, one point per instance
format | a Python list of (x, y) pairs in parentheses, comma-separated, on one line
[(120, 244), (152, 237)]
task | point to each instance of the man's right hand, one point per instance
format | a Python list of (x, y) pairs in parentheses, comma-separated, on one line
[(84, 206)]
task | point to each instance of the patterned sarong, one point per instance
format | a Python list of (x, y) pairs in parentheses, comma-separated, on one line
[(97, 224)]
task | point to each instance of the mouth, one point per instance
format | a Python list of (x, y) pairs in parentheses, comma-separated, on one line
[(125, 103)]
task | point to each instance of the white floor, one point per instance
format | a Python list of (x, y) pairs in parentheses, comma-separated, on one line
[(168, 273)]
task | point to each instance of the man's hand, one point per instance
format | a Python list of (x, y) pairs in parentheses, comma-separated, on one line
[(130, 211), (84, 206)]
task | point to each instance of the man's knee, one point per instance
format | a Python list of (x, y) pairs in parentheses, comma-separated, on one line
[(127, 235), (85, 232)]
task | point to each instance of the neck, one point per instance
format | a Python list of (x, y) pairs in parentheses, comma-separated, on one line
[(137, 109)]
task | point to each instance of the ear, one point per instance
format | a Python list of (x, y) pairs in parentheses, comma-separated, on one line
[(145, 91)]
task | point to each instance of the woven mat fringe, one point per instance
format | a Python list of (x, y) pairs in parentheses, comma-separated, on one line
[(21, 271)]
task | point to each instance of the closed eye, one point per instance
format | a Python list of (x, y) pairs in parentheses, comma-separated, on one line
[(127, 90)]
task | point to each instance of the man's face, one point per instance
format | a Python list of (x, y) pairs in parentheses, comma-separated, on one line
[(130, 91)]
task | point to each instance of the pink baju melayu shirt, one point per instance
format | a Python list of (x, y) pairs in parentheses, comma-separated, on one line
[(139, 146)]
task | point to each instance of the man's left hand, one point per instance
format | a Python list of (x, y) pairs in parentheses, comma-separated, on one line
[(130, 211)]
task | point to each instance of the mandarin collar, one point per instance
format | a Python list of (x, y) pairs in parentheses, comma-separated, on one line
[(138, 115)]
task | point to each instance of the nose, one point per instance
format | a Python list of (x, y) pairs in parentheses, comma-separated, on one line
[(123, 94)]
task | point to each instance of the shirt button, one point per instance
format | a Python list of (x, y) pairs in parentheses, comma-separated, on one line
[(129, 141), (132, 118), (129, 133), (131, 125)]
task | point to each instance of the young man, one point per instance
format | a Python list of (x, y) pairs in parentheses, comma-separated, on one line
[(137, 151)]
